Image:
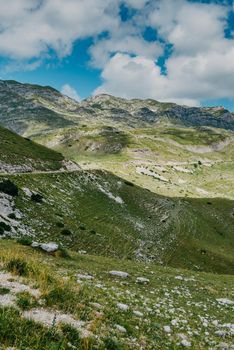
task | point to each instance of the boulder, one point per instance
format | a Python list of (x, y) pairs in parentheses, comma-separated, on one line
[(119, 274), (142, 280), (49, 247)]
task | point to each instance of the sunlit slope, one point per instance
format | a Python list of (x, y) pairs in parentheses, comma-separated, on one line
[(167, 159), (195, 307), (21, 155), (106, 215)]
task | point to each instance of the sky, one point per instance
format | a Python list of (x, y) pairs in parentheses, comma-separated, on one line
[(169, 50)]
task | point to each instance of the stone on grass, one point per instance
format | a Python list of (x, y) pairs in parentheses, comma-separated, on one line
[(142, 280), (186, 343), (119, 274), (167, 329), (49, 247), (225, 301), (35, 245), (138, 313), (120, 328), (122, 306), (179, 278), (84, 277)]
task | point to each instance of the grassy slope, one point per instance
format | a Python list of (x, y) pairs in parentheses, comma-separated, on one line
[(192, 302), (188, 233), (123, 150), (16, 150)]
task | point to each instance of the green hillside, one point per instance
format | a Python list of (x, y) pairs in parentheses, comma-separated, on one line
[(167, 159), (105, 215), (23, 155)]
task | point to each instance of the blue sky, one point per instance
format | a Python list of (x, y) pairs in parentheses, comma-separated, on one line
[(169, 50)]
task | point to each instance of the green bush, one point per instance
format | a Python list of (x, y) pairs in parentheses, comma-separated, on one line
[(60, 224), (9, 187), (25, 301), (4, 290), (12, 216), (4, 227), (25, 240), (36, 197), (17, 266), (62, 253), (111, 344), (66, 232)]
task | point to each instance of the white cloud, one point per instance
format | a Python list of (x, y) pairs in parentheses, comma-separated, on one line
[(131, 44), (30, 28), (132, 77), (200, 67), (137, 4), (70, 92)]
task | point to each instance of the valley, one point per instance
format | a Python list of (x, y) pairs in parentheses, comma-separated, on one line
[(133, 202)]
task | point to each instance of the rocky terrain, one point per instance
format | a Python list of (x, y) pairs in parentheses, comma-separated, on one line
[(31, 109), (121, 237)]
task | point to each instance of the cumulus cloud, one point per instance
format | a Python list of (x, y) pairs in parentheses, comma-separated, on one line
[(131, 44), (132, 77), (29, 28), (200, 66), (70, 92)]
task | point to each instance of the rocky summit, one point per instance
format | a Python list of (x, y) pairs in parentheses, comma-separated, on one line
[(30, 109)]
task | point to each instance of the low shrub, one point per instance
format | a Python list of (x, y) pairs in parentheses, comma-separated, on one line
[(4, 227), (4, 290), (66, 232), (111, 344), (18, 267), (12, 216), (60, 224), (25, 240), (26, 301), (62, 253), (36, 197), (9, 187)]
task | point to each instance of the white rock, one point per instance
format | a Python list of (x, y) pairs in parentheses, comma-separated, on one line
[(142, 280), (122, 306), (120, 328), (49, 247), (179, 278), (35, 245), (138, 313), (167, 329), (119, 274), (84, 277), (221, 333), (27, 191), (225, 301), (186, 343), (224, 346), (174, 322)]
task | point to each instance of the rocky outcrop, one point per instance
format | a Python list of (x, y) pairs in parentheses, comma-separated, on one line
[(24, 106)]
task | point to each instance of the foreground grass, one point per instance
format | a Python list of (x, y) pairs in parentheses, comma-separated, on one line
[(183, 300)]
